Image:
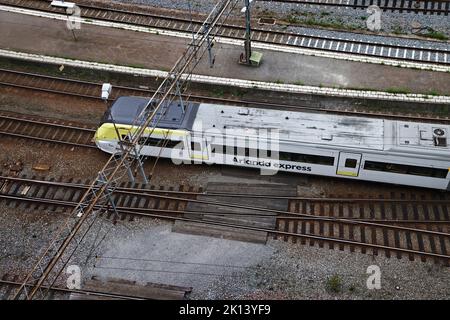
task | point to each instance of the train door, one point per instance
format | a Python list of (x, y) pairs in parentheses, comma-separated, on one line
[(348, 164), (199, 149)]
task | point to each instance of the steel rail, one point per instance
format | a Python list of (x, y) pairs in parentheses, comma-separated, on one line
[(63, 126), (255, 30), (26, 121), (255, 208), (202, 98), (289, 215), (352, 4), (140, 192), (199, 22), (285, 233), (85, 292), (47, 140)]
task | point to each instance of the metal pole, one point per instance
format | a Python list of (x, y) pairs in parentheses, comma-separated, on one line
[(209, 46), (178, 93), (248, 47), (191, 24), (71, 29), (120, 143), (140, 165)]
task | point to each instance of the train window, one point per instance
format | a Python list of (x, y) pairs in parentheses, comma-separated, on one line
[(149, 141), (250, 152), (285, 156), (267, 154), (170, 143), (307, 158), (156, 142), (405, 169), (196, 146), (227, 150), (216, 148), (262, 153), (350, 163)]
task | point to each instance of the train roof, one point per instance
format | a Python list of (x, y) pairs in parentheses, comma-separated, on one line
[(126, 109), (325, 129), (309, 129)]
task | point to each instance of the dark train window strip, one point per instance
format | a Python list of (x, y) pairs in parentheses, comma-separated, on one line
[(405, 169), (196, 146), (156, 142), (248, 152), (285, 156), (307, 158)]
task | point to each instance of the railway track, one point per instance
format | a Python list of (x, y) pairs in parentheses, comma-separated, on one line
[(412, 225), (412, 209), (348, 45), (9, 284), (58, 195), (46, 130), (438, 7), (96, 289), (92, 90)]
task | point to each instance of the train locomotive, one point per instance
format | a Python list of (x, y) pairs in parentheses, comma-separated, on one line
[(359, 148)]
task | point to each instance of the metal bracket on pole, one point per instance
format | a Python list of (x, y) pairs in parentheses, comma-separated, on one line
[(140, 165), (178, 93), (191, 24), (209, 46), (102, 180)]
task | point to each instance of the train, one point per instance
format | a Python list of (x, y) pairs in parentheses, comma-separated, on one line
[(352, 147)]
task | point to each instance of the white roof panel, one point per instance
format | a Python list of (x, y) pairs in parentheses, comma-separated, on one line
[(308, 128)]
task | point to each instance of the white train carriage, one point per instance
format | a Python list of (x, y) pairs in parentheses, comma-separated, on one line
[(406, 153)]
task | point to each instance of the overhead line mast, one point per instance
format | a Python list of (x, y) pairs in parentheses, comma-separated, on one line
[(97, 197)]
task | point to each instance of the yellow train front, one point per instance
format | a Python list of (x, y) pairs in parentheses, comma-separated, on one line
[(167, 131)]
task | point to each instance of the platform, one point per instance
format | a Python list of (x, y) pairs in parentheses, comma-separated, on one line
[(129, 48)]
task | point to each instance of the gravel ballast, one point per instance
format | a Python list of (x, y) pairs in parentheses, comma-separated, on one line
[(403, 23)]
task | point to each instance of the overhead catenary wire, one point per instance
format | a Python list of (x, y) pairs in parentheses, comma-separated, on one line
[(113, 171), (172, 261)]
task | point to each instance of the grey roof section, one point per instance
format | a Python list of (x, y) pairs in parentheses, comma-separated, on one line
[(309, 128), (326, 130), (125, 110)]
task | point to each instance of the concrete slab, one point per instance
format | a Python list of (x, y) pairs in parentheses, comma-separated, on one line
[(107, 45), (255, 218), (157, 255)]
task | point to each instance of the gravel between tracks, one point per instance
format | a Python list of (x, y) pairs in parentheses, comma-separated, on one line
[(339, 18), (225, 269)]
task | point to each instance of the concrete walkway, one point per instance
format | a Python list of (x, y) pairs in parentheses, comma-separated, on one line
[(50, 37)]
